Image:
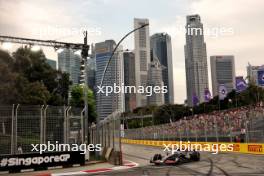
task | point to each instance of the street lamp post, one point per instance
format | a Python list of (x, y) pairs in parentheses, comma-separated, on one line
[(84, 55), (102, 80)]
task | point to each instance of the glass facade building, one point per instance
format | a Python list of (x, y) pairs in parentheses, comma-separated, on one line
[(160, 46), (70, 63), (107, 104)]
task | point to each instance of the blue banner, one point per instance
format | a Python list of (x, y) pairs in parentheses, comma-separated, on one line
[(195, 99), (261, 77), (241, 84)]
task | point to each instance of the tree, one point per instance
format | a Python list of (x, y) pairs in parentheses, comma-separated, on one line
[(25, 77), (77, 99), (8, 92), (34, 93)]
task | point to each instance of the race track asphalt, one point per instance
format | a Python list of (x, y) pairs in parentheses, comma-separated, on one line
[(227, 164)]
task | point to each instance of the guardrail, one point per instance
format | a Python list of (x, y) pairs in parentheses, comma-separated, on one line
[(107, 133), (250, 148)]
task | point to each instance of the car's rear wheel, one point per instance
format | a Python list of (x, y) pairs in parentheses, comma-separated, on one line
[(195, 156), (157, 157)]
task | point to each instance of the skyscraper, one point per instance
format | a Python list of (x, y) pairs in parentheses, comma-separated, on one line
[(160, 45), (52, 63), (142, 58), (195, 59), (91, 73), (107, 104), (223, 72), (129, 79), (155, 79), (91, 68), (70, 63)]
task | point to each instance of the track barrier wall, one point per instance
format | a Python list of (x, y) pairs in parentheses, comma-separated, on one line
[(107, 133), (249, 148)]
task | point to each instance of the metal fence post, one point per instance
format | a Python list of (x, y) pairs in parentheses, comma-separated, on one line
[(45, 124), (205, 131), (187, 130), (15, 130), (216, 130), (180, 135), (66, 127), (196, 131), (247, 135), (12, 130), (82, 126), (64, 124), (105, 134), (229, 128), (101, 134), (113, 131), (41, 124), (109, 133), (68, 124)]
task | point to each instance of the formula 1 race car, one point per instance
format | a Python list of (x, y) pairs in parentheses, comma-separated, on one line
[(175, 158)]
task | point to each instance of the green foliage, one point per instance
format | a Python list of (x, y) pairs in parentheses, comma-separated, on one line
[(26, 78), (77, 99)]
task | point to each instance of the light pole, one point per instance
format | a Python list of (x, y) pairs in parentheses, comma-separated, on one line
[(84, 54), (102, 80)]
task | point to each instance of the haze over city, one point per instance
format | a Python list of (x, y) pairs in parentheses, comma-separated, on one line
[(139, 87)]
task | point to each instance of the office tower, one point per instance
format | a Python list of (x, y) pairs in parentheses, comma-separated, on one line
[(155, 79), (195, 60), (91, 68), (70, 63), (223, 72), (252, 73), (142, 58), (129, 79), (107, 104), (160, 45), (52, 63)]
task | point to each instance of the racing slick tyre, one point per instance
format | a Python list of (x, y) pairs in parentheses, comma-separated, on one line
[(157, 157), (195, 156)]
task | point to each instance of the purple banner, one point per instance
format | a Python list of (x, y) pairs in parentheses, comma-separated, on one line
[(241, 84), (195, 99), (207, 95)]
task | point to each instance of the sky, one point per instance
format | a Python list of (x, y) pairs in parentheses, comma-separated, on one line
[(234, 27)]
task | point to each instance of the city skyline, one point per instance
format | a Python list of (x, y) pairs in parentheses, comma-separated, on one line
[(243, 20)]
